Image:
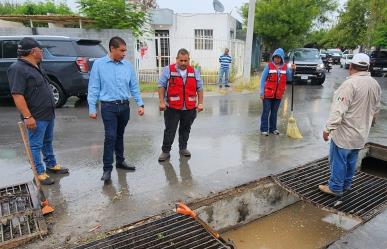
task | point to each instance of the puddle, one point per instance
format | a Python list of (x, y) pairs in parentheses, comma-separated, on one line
[(300, 226)]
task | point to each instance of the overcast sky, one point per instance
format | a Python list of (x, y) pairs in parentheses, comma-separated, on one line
[(189, 6)]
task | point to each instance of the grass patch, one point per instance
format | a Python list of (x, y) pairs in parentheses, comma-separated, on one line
[(152, 87), (252, 85)]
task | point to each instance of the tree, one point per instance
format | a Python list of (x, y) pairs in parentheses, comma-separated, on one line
[(34, 8), (118, 14), (284, 23)]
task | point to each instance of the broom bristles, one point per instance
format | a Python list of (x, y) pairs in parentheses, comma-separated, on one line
[(293, 131)]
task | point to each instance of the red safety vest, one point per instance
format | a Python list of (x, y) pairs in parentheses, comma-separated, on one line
[(179, 93), (274, 86)]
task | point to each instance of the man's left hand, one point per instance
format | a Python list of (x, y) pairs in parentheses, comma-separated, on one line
[(140, 111), (199, 108), (293, 66), (325, 136)]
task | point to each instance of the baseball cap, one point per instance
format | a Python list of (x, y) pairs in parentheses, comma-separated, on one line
[(361, 59), (28, 43)]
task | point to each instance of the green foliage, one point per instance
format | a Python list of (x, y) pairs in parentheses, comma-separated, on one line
[(34, 8), (284, 23), (362, 22), (117, 14)]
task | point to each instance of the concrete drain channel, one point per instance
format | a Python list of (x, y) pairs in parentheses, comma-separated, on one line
[(237, 207), (20, 214)]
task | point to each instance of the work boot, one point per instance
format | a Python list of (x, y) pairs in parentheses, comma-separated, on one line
[(107, 176), (125, 166), (57, 169), (185, 152), (327, 190), (45, 179), (164, 156)]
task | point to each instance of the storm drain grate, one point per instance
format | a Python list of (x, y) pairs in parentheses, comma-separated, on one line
[(174, 231), (367, 197), (20, 216)]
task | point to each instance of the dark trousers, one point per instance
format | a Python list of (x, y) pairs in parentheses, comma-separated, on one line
[(172, 118), (269, 115), (115, 118)]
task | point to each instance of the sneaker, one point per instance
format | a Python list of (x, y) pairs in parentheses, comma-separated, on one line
[(164, 156), (227, 86), (57, 169), (185, 152), (45, 179), (327, 190), (264, 133), (276, 132)]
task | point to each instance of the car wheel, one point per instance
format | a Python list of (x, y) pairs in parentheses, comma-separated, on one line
[(59, 95), (321, 80)]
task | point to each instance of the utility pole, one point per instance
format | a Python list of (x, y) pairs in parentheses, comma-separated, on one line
[(249, 42)]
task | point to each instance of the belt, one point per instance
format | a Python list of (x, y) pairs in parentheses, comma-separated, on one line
[(117, 102)]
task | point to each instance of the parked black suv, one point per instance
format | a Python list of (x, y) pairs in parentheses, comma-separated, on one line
[(310, 67), (66, 60), (378, 62)]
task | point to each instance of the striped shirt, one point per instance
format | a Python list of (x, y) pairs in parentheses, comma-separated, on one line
[(225, 61)]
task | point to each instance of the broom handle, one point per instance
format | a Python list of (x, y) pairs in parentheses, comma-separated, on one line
[(23, 133), (291, 108)]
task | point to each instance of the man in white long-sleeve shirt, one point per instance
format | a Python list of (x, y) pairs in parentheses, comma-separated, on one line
[(355, 104)]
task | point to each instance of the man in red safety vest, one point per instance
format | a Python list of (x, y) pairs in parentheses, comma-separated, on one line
[(181, 97)]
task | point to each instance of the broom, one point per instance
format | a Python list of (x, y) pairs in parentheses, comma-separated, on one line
[(45, 205), (293, 131)]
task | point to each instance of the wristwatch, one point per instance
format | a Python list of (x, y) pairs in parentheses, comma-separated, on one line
[(27, 117)]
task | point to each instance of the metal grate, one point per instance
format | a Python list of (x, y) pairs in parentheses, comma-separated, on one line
[(367, 197), (174, 231), (20, 215)]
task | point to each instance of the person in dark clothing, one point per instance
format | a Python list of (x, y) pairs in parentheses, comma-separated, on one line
[(34, 99)]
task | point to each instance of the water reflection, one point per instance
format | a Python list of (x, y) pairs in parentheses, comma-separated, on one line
[(185, 172)]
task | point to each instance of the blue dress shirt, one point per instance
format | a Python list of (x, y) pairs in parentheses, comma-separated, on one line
[(110, 80)]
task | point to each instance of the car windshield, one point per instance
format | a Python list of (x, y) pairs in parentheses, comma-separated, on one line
[(306, 54), (336, 51)]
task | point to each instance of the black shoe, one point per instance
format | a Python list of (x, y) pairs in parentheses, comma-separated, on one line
[(125, 166), (227, 86), (185, 152), (107, 176)]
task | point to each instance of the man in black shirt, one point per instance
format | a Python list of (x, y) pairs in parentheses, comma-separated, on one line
[(34, 99)]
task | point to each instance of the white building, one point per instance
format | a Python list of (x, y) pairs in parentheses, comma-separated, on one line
[(205, 36)]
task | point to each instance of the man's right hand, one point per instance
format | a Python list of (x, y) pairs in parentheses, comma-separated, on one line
[(262, 97), (162, 106), (30, 123), (93, 115)]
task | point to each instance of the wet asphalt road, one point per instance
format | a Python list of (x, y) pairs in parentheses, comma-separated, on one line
[(226, 147)]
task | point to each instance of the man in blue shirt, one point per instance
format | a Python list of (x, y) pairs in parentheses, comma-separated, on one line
[(225, 61), (181, 97), (113, 81)]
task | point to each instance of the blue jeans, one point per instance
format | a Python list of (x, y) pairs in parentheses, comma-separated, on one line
[(225, 72), (115, 118), (40, 140), (343, 166), (269, 115)]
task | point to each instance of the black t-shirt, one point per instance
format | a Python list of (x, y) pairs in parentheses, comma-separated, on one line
[(31, 82)]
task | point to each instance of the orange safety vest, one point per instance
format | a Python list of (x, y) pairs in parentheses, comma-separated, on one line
[(275, 86), (179, 93)]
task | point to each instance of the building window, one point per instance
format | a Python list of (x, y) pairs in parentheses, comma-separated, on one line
[(204, 39)]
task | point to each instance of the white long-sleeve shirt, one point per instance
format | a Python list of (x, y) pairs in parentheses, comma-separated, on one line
[(354, 105)]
